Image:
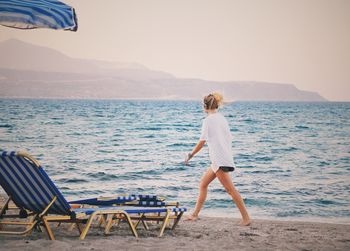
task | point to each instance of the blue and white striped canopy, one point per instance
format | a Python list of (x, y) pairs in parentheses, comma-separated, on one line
[(31, 14)]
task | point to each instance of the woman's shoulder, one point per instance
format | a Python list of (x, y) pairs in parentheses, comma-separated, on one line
[(218, 115), (220, 119), (214, 117)]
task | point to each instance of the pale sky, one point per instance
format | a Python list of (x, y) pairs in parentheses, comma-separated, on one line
[(301, 42)]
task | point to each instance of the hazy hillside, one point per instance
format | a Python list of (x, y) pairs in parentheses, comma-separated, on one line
[(37, 72), (19, 55)]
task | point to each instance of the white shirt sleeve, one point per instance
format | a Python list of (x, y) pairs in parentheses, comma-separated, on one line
[(204, 131)]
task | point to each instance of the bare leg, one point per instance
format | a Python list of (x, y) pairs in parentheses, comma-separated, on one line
[(226, 181), (207, 178)]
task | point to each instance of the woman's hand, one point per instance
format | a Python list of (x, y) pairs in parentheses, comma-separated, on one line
[(188, 157), (196, 149)]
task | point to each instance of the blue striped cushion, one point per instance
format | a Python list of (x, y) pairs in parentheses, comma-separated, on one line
[(179, 209), (146, 196), (151, 203), (29, 186)]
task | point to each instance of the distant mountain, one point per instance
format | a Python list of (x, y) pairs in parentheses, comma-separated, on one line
[(18, 55), (30, 71)]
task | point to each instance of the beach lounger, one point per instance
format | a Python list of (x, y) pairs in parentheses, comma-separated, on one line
[(140, 201), (135, 201), (31, 189)]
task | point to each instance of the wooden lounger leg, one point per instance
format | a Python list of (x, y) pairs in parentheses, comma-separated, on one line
[(128, 220), (109, 224), (165, 222), (44, 220), (92, 217), (131, 225), (87, 227), (177, 220), (48, 228), (80, 227), (143, 222), (103, 220)]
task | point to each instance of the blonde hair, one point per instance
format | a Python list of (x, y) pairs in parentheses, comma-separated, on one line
[(219, 98), (213, 101)]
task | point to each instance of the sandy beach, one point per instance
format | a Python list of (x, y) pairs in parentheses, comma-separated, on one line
[(205, 234), (208, 233)]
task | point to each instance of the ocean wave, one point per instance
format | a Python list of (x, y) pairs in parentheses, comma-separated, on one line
[(103, 176), (72, 180), (269, 171), (6, 126), (302, 127)]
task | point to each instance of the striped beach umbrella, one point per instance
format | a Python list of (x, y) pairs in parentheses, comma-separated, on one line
[(31, 14)]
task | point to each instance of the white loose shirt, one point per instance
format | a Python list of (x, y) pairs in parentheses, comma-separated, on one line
[(216, 132)]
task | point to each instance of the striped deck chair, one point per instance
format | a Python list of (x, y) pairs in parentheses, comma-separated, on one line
[(135, 200), (142, 200), (31, 189)]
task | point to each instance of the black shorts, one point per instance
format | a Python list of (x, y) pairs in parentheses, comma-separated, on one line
[(227, 168)]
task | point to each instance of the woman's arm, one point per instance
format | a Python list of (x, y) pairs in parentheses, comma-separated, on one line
[(195, 150)]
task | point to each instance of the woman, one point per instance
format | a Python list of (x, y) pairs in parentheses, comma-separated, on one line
[(216, 132)]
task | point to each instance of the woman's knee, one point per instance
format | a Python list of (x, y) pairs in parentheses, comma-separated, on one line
[(203, 186), (231, 191), (230, 188)]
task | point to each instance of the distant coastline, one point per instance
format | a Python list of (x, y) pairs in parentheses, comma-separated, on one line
[(30, 71)]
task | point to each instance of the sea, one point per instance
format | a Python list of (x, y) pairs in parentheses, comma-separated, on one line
[(292, 158)]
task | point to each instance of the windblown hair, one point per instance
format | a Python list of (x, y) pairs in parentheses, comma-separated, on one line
[(213, 101)]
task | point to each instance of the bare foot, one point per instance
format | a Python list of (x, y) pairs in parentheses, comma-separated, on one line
[(245, 222), (191, 218)]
